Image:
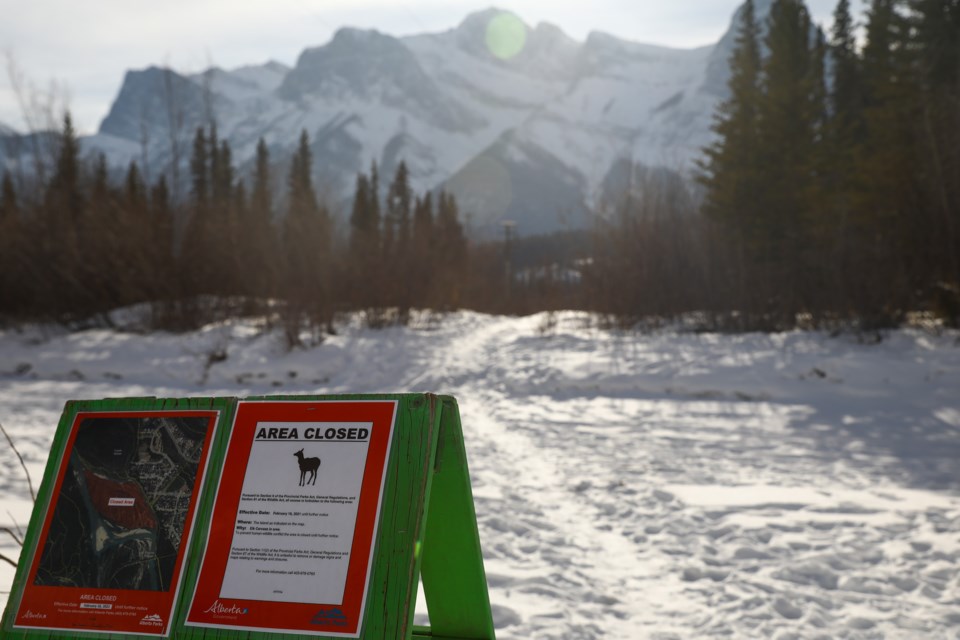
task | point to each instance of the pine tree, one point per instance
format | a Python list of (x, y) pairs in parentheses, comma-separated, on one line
[(9, 210), (197, 266), (788, 132), (423, 219), (885, 203), (306, 240), (846, 98), (225, 232), (399, 198), (422, 258), (262, 251), (65, 191), (135, 191), (361, 222), (843, 146), (936, 46), (11, 274), (451, 250), (261, 200), (730, 165), (199, 170), (214, 169), (374, 197), (221, 172), (731, 171), (162, 243), (58, 251)]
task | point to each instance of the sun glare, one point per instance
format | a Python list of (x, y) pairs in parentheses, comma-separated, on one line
[(506, 35)]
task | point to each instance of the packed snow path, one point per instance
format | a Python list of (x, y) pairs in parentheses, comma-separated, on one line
[(627, 486)]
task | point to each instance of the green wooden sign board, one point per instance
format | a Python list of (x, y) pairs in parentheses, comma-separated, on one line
[(261, 518)]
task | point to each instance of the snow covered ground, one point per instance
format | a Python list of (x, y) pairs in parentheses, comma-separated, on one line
[(660, 486)]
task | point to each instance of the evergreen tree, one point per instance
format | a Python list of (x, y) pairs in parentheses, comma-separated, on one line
[(788, 132), (885, 192), (423, 219), (161, 215), (221, 171), (135, 191), (262, 251), (361, 221), (398, 206), (215, 168), (451, 251), (197, 266), (102, 238), (226, 234), (57, 253), (9, 210), (844, 144), (164, 292), (261, 200), (936, 46), (374, 197), (423, 260), (11, 273), (731, 168), (65, 191), (397, 260), (199, 170), (820, 218), (846, 97), (306, 244)]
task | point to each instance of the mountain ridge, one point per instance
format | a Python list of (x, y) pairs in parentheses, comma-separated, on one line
[(519, 122)]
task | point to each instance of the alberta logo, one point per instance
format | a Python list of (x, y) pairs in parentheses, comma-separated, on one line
[(35, 616), (333, 617), (218, 608), (152, 620)]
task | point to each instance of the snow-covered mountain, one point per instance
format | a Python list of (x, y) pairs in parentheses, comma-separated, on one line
[(532, 134)]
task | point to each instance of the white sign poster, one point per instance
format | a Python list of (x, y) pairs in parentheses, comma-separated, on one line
[(297, 512)]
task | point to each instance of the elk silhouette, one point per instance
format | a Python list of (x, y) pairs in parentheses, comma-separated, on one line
[(307, 464)]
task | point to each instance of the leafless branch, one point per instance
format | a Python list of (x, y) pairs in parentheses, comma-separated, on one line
[(13, 535), (26, 471)]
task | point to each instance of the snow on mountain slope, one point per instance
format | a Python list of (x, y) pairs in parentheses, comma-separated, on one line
[(631, 102), (659, 486)]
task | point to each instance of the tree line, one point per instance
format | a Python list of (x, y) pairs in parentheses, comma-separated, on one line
[(835, 177), (76, 246), (831, 195)]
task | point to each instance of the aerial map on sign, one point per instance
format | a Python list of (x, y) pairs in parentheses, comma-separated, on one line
[(121, 511)]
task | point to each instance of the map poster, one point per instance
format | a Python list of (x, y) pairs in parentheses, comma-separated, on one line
[(291, 539), (111, 549)]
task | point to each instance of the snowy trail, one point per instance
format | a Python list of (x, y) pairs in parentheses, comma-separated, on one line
[(627, 486), (724, 516)]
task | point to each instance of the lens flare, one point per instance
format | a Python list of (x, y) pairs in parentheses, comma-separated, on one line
[(506, 35)]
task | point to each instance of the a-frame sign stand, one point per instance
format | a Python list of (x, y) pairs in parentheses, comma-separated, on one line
[(454, 581), (231, 546)]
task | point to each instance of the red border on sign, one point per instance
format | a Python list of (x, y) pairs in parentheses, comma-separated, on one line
[(146, 612), (208, 609)]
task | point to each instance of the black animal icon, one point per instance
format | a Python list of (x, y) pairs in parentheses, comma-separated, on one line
[(307, 465)]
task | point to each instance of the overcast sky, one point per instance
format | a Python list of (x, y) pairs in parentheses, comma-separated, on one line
[(83, 47)]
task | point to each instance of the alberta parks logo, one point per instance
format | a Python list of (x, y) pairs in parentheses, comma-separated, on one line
[(152, 620)]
